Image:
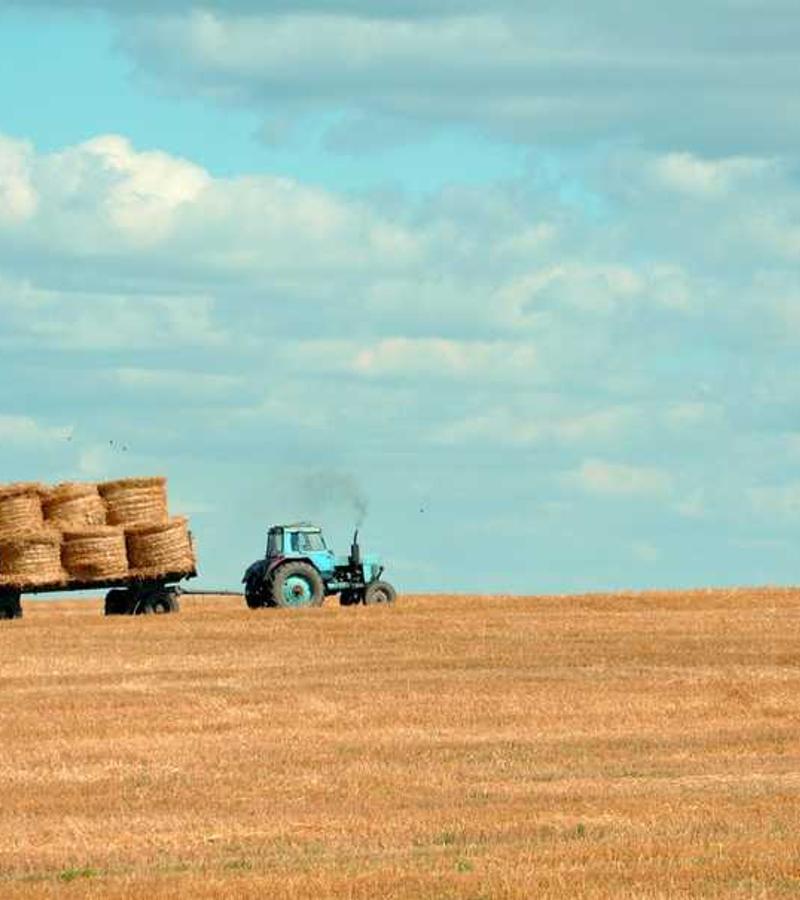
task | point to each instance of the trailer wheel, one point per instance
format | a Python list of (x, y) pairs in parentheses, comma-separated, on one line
[(118, 602), (297, 584), (158, 602), (379, 592), (10, 606)]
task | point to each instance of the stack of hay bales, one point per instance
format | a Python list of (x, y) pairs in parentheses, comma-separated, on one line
[(82, 533), (156, 544), (30, 552)]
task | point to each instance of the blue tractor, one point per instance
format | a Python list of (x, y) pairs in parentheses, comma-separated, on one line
[(299, 570)]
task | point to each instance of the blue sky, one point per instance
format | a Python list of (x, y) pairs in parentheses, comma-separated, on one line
[(526, 283)]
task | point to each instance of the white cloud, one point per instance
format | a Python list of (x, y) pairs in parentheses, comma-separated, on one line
[(596, 476), (494, 426), (646, 551), (598, 425), (412, 358), (690, 414), (706, 178), (29, 432), (534, 73), (527, 425), (692, 506), (102, 196), (594, 289), (176, 382), (102, 321), (438, 356), (96, 461), (780, 501), (103, 199), (17, 196)]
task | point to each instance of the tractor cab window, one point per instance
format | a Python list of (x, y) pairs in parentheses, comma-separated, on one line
[(307, 541), (275, 543)]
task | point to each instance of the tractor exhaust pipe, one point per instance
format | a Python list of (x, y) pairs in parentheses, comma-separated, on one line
[(355, 552)]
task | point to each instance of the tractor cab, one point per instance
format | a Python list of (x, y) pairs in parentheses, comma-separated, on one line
[(298, 569), (300, 541)]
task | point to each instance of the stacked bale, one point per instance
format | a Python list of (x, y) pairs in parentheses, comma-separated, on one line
[(72, 505), (159, 548), (29, 559), (94, 554), (135, 501), (20, 508)]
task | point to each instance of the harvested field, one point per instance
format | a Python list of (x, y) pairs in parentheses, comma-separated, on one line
[(635, 746)]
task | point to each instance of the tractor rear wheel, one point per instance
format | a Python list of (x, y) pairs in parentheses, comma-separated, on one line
[(379, 592), (253, 599), (254, 595), (297, 584)]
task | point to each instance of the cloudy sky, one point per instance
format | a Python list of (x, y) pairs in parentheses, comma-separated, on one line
[(523, 283)]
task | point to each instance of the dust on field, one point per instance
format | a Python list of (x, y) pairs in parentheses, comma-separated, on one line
[(605, 746)]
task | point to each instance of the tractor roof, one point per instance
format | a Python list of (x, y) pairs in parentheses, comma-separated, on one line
[(298, 526)]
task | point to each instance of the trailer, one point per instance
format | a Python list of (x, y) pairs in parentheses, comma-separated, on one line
[(116, 536), (126, 596)]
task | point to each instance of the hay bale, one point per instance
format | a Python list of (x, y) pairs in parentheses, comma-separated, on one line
[(74, 506), (135, 501), (157, 549), (31, 559), (94, 554), (20, 508)]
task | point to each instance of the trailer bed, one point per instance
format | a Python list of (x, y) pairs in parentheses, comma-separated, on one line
[(131, 595), (128, 581)]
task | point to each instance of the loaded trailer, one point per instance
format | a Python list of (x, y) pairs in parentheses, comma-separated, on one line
[(116, 536), (125, 597)]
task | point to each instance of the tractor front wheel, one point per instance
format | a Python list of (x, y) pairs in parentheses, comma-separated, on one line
[(379, 592), (350, 597), (297, 584)]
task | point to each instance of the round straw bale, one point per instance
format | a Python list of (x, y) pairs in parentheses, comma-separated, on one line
[(30, 559), (73, 505), (20, 508), (94, 554), (158, 549), (135, 501)]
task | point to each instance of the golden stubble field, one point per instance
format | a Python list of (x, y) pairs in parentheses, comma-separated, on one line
[(634, 746)]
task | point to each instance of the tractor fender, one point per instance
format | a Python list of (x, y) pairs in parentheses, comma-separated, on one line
[(255, 570), (280, 560), (261, 569)]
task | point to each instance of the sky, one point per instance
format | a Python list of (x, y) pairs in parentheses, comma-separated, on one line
[(516, 284)]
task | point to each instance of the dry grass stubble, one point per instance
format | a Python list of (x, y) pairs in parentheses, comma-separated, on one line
[(641, 746)]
